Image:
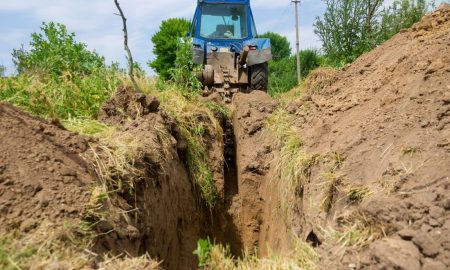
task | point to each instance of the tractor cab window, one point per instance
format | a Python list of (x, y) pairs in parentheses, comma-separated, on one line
[(224, 21)]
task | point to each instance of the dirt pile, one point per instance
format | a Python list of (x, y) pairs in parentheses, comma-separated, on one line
[(42, 176), (386, 122), (127, 105), (130, 191), (157, 212)]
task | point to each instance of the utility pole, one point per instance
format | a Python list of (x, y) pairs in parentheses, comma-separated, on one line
[(299, 75)]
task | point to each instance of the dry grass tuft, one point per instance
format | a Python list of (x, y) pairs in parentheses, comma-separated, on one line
[(48, 246), (331, 185), (293, 163), (303, 256), (355, 194), (319, 79), (120, 263), (356, 232)]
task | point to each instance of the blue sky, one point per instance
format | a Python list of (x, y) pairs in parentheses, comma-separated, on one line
[(95, 24)]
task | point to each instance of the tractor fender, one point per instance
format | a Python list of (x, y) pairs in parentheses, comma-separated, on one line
[(263, 52)]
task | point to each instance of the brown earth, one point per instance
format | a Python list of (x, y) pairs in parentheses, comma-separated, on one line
[(164, 220), (388, 117), (42, 176)]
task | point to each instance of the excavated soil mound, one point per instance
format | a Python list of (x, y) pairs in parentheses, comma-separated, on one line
[(42, 176), (387, 119), (127, 104), (157, 214)]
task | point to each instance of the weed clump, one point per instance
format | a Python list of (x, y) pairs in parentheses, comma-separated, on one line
[(319, 79), (294, 162), (216, 256), (356, 232)]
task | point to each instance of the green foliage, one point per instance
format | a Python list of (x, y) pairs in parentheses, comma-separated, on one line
[(352, 27), (344, 28), (59, 77), (165, 43), (280, 45), (2, 70), (185, 71), (203, 249), (63, 97), (55, 52), (283, 73), (402, 14)]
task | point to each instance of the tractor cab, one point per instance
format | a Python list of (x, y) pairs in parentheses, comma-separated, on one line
[(225, 42), (226, 20)]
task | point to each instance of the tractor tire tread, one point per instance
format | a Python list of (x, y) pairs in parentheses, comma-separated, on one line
[(259, 79)]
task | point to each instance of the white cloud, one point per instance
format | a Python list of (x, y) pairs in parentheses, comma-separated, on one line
[(94, 22)]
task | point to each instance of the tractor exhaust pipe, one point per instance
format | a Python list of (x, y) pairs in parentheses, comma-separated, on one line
[(244, 55)]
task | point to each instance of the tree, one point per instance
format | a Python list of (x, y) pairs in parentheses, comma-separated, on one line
[(131, 64), (165, 43), (346, 28), (280, 45), (402, 14), (352, 27), (54, 51)]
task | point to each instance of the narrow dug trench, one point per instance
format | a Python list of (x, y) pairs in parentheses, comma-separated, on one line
[(150, 208), (163, 218), (248, 154)]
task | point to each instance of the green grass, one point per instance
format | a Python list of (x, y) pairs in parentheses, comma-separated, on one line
[(68, 96), (294, 162), (197, 124), (302, 256)]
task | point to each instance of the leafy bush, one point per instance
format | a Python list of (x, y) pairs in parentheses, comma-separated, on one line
[(64, 97), (351, 27), (2, 70), (165, 43), (402, 14), (283, 73), (203, 249), (59, 77), (185, 71), (55, 52), (280, 45)]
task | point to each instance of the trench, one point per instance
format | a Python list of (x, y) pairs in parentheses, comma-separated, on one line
[(227, 232), (169, 221)]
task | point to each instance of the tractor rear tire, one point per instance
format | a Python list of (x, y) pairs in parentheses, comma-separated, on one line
[(259, 78)]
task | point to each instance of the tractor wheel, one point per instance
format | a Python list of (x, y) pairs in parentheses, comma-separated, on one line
[(259, 79)]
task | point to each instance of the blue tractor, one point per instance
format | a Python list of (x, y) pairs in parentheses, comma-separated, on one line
[(226, 44)]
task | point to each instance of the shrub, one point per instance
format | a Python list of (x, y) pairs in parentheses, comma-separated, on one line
[(283, 73), (59, 77), (185, 71), (55, 52)]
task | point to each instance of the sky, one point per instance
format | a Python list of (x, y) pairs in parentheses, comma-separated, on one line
[(95, 24)]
